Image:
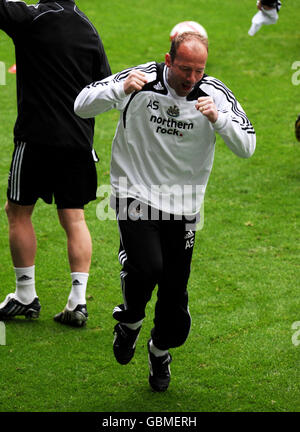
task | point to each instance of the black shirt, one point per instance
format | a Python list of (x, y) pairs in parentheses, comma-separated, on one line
[(272, 3), (58, 52)]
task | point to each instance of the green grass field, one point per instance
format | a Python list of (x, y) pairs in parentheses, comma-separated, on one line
[(244, 285)]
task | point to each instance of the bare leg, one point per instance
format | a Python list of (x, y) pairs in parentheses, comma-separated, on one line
[(22, 238), (22, 243), (79, 239), (79, 253)]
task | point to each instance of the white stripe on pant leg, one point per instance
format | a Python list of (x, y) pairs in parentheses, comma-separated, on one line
[(15, 175), (122, 254), (122, 257), (12, 178), (14, 172), (123, 275), (19, 171)]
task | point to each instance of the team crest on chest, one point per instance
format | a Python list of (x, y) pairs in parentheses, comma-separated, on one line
[(173, 111)]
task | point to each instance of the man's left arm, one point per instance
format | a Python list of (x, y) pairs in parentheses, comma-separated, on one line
[(230, 120)]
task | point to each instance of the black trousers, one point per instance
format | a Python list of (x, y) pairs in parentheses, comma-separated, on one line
[(155, 252)]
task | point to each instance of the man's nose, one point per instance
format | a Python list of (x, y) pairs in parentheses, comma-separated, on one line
[(192, 76)]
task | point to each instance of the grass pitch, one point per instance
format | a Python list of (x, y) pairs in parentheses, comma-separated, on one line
[(244, 285)]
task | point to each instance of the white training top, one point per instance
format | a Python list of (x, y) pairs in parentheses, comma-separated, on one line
[(163, 148)]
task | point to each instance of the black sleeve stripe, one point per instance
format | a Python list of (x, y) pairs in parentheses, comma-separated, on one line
[(231, 99), (229, 96), (249, 126), (248, 129), (124, 74)]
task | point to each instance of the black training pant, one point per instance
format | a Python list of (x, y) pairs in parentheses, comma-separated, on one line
[(156, 252)]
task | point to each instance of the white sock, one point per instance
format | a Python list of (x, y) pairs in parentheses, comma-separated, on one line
[(133, 326), (155, 351), (78, 290), (25, 284)]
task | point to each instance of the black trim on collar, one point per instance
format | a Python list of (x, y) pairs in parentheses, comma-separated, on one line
[(55, 1), (196, 92), (157, 86)]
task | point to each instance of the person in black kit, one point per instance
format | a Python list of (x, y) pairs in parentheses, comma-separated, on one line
[(267, 14), (58, 52)]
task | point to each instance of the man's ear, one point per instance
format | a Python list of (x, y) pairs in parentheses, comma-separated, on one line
[(168, 59)]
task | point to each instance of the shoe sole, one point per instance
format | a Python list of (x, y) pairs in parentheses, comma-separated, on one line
[(155, 388), (74, 319), (122, 356), (123, 360), (29, 314), (32, 314)]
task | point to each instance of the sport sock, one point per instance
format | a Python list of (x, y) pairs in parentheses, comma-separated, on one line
[(78, 290), (25, 284), (133, 326), (155, 351)]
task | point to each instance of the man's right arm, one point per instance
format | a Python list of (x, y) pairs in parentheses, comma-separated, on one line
[(14, 15), (109, 93), (99, 97)]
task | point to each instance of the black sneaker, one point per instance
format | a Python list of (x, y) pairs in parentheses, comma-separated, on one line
[(160, 374), (11, 307), (76, 317), (124, 343)]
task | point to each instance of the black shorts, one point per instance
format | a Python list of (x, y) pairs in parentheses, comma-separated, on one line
[(43, 172)]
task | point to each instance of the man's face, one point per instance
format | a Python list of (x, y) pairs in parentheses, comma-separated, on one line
[(187, 68)]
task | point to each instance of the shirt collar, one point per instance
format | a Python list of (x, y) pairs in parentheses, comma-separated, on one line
[(53, 1)]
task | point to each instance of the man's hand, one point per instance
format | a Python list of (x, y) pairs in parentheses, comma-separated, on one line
[(208, 108), (135, 81)]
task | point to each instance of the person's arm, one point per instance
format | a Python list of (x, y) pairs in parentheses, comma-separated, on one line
[(231, 121), (14, 15), (103, 71), (109, 93)]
